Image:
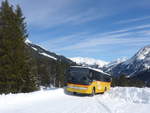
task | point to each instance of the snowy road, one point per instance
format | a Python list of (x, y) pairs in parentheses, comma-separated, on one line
[(118, 100)]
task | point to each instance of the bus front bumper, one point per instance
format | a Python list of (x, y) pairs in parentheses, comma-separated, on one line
[(79, 88)]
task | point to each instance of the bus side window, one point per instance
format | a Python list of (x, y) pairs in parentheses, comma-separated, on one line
[(107, 79), (98, 76), (102, 77), (94, 75), (91, 75)]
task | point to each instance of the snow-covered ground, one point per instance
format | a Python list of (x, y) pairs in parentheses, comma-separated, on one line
[(117, 100)]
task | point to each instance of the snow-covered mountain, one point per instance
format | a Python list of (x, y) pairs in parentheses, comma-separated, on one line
[(51, 55), (139, 62), (48, 65), (113, 64), (91, 62), (137, 66)]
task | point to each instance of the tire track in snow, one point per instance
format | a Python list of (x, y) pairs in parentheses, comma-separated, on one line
[(100, 104), (87, 105), (76, 106), (84, 105)]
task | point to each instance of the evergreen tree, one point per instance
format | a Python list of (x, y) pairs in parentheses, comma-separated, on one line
[(123, 81), (16, 73)]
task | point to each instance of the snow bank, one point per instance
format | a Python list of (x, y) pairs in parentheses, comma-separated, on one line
[(130, 94), (13, 99)]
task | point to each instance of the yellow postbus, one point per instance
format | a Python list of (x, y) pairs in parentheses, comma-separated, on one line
[(86, 80)]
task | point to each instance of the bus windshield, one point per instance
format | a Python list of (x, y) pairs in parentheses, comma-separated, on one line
[(79, 76)]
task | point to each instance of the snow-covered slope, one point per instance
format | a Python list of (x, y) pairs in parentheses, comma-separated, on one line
[(27, 41), (117, 100), (139, 62), (89, 62), (38, 50), (48, 56), (116, 62), (113, 64), (143, 55)]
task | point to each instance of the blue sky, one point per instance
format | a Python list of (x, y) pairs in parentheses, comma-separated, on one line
[(101, 29)]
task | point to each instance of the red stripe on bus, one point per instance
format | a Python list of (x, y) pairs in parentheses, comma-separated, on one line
[(79, 85)]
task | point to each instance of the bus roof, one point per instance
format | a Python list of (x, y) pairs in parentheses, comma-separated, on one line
[(94, 69)]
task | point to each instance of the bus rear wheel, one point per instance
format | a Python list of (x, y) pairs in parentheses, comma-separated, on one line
[(93, 92), (74, 93), (105, 88)]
